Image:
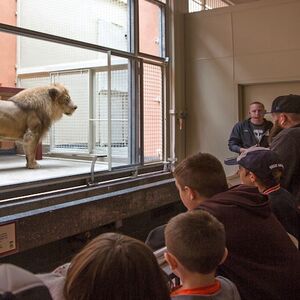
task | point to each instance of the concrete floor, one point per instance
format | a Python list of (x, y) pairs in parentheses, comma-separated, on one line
[(13, 171)]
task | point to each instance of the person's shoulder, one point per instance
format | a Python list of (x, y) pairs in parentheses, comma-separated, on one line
[(243, 188), (268, 123), (228, 288), (242, 123), (282, 193), (287, 134), (225, 282), (232, 191), (18, 283)]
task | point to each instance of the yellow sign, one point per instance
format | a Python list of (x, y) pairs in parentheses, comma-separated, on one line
[(7, 238)]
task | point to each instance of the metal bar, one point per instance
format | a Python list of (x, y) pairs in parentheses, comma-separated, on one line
[(60, 40), (109, 129), (67, 41), (92, 181), (91, 125), (141, 106)]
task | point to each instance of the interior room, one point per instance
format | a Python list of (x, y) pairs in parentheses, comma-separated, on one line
[(154, 82)]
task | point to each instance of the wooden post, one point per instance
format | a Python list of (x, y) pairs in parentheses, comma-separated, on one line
[(39, 152)]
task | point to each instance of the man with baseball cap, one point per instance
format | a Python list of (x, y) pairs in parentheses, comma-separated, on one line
[(285, 139), (263, 168)]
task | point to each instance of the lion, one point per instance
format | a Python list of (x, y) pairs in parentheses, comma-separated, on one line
[(27, 116)]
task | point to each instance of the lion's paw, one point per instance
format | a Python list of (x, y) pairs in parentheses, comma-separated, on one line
[(33, 165)]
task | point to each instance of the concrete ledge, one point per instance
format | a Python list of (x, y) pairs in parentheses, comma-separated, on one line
[(49, 218)]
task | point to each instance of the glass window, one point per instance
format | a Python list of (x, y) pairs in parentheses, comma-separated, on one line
[(151, 28), (100, 22), (100, 125), (120, 109)]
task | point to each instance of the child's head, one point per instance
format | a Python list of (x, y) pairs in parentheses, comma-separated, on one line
[(196, 240), (201, 173), (115, 266), (260, 166)]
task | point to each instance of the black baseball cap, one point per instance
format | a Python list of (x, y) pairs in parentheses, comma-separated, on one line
[(286, 104)]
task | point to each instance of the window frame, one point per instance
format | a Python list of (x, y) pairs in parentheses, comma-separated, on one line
[(137, 59)]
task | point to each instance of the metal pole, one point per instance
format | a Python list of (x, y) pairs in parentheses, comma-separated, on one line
[(109, 129)]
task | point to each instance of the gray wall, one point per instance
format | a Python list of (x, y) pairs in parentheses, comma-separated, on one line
[(248, 44)]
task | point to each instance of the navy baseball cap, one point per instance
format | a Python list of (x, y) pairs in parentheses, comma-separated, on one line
[(286, 104), (260, 161)]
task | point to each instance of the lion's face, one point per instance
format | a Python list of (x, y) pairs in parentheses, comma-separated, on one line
[(66, 103), (61, 95)]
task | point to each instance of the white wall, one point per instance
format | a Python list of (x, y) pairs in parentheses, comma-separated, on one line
[(244, 44)]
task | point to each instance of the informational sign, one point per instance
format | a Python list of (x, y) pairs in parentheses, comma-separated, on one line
[(7, 238)]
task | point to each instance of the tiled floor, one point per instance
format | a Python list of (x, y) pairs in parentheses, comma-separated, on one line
[(13, 171)]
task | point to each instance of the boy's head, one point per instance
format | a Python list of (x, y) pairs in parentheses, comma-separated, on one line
[(260, 165), (200, 174), (195, 240)]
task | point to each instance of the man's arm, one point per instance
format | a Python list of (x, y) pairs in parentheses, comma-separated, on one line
[(235, 142), (286, 148)]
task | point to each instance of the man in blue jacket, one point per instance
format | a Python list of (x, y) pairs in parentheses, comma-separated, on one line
[(253, 131)]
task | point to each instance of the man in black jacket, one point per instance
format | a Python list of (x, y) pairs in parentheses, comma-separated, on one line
[(286, 115), (253, 131)]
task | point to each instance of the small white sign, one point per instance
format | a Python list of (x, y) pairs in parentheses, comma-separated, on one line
[(7, 238)]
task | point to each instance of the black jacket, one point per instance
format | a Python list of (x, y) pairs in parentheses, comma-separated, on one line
[(242, 136), (262, 260), (287, 144), (284, 207)]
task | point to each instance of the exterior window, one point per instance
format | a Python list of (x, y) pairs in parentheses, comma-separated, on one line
[(151, 28)]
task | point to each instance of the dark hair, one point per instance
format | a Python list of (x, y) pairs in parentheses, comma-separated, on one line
[(202, 172), (268, 182), (197, 240), (113, 267)]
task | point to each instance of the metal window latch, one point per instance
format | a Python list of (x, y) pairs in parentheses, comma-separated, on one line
[(92, 181), (181, 118), (135, 172), (169, 165)]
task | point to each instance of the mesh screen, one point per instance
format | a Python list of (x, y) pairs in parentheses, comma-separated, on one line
[(198, 5), (71, 133), (152, 112), (119, 113)]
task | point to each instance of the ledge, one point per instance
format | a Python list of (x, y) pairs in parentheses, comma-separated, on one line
[(42, 219)]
